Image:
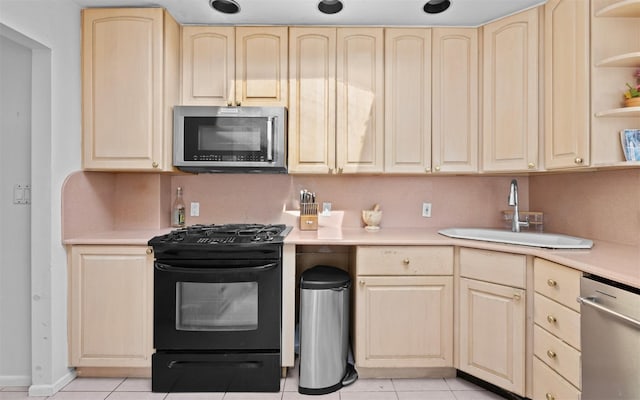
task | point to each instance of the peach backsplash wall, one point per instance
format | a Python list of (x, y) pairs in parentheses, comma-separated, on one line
[(101, 201), (456, 200), (601, 205)]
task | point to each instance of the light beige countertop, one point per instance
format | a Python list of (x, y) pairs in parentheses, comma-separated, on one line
[(620, 263), (118, 237)]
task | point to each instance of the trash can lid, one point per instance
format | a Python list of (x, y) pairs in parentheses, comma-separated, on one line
[(324, 277)]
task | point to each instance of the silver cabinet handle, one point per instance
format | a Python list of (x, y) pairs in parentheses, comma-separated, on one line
[(590, 301)]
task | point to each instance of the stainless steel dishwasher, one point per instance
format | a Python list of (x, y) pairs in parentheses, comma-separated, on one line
[(610, 334)]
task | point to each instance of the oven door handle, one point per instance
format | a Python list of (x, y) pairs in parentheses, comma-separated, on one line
[(173, 268), (590, 301)]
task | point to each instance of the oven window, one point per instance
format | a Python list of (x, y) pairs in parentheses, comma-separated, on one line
[(204, 306)]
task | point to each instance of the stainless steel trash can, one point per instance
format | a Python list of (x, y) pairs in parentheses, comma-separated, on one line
[(324, 330)]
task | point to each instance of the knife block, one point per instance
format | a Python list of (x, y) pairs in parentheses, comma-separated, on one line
[(309, 217)]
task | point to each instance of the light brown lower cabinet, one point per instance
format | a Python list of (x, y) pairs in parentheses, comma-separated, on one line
[(110, 306), (404, 321), (492, 333), (404, 311), (492, 318), (551, 386), (557, 372)]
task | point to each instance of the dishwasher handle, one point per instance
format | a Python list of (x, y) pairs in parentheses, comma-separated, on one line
[(589, 301)]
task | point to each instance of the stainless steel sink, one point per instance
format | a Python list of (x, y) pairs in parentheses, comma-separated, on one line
[(535, 239)]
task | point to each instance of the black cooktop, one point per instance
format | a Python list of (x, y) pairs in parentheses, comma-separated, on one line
[(224, 234)]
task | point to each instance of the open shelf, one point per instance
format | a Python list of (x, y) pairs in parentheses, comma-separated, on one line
[(624, 9), (620, 112), (621, 60)]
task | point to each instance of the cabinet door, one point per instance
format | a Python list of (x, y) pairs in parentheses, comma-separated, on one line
[(455, 100), (566, 133), (111, 306), (419, 336), (407, 100), (312, 108), (208, 65), (492, 333), (261, 66), (510, 102), (123, 92), (360, 100)]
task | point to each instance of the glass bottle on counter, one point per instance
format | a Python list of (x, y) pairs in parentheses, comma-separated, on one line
[(178, 210)]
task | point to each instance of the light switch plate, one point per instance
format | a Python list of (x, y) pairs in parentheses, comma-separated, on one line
[(21, 193)]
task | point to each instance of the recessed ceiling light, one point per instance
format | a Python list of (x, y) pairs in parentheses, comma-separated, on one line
[(225, 6), (436, 6), (330, 6)]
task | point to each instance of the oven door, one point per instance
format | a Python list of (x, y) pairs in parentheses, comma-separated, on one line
[(217, 305)]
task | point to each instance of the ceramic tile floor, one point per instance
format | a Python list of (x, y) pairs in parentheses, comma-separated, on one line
[(362, 389)]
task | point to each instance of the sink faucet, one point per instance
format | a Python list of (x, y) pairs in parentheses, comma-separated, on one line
[(513, 202)]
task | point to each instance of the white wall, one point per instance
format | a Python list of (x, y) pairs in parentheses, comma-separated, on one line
[(52, 29), (15, 249)]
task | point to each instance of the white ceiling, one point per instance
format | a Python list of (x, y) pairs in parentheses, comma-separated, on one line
[(355, 12)]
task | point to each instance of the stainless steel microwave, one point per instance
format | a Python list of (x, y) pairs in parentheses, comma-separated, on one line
[(230, 139)]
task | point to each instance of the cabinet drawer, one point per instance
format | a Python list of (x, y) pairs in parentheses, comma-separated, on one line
[(404, 260), (557, 319), (557, 282), (547, 385), (492, 266), (558, 355)]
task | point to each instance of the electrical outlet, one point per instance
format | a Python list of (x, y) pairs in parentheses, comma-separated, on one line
[(426, 210), (195, 209)]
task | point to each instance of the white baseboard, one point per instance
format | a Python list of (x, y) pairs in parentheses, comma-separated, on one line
[(50, 390), (15, 380)]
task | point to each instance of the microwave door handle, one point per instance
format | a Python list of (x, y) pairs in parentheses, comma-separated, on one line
[(270, 138)]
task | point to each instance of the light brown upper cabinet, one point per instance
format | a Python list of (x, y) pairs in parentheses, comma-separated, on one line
[(567, 92), (227, 66), (208, 65), (407, 100), (130, 69), (312, 109), (455, 100), (336, 115), (360, 100), (510, 93)]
